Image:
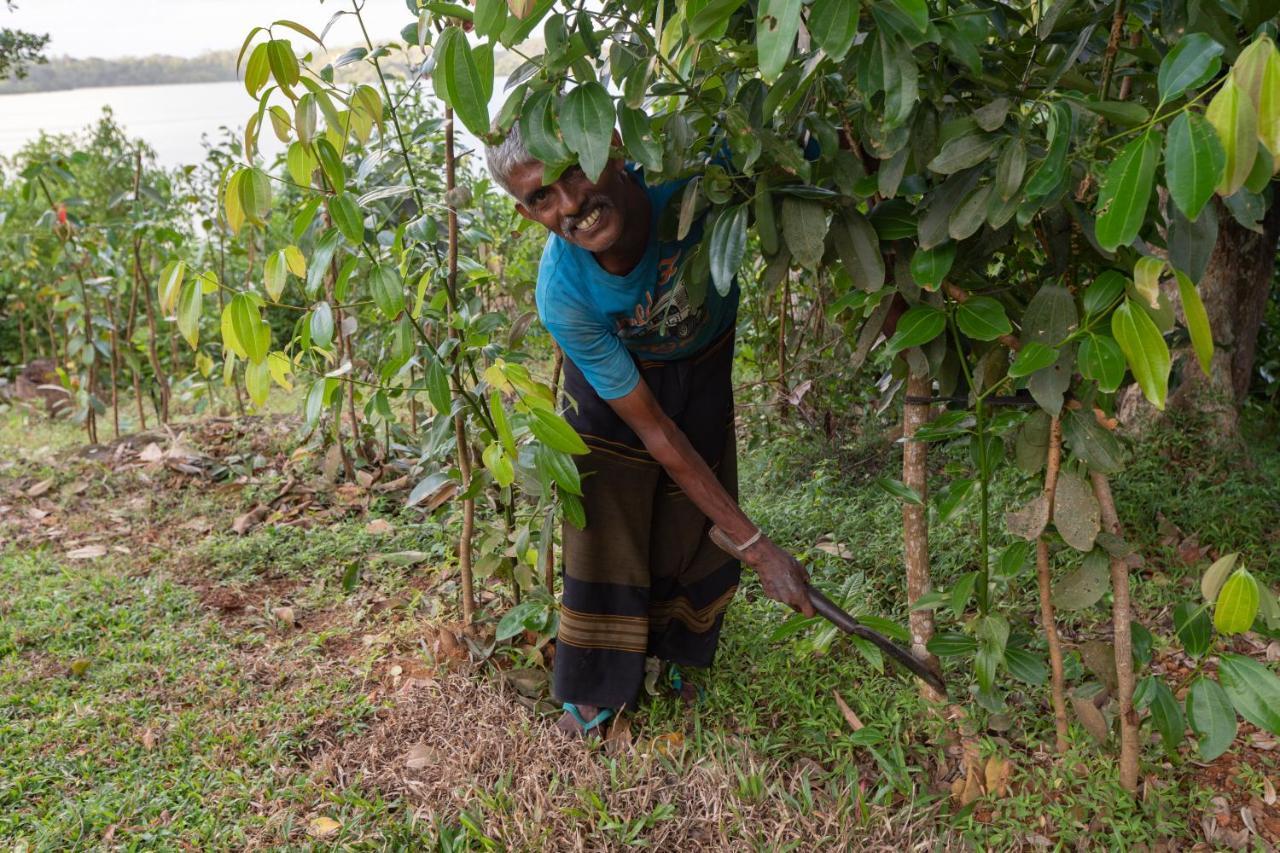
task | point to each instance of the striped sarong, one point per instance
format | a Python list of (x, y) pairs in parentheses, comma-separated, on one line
[(643, 578)]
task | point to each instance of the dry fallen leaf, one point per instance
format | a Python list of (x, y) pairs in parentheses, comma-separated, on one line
[(998, 771), (619, 741), (250, 519), (1268, 792), (418, 756), (148, 739), (668, 744), (285, 615), (151, 453), (850, 717), (828, 545), (88, 552), (322, 827), (378, 526), (77, 487), (1091, 718), (40, 488)]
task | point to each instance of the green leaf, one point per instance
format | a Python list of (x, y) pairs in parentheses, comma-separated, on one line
[(1145, 350), (709, 20), (834, 24), (776, 28), (1108, 287), (1166, 714), (189, 305), (963, 152), (388, 290), (1126, 192), (1101, 360), (1049, 173), (1257, 73), (1032, 357), (559, 466), (1233, 117), (438, 387), (498, 464), (637, 136), (257, 71), (257, 381), (1122, 113), (322, 325), (858, 246), (1216, 575), (498, 413), (1084, 587), (899, 490), (555, 432), (728, 243), (345, 214), (539, 130), (992, 634), (170, 283), (1094, 444), (1254, 690), (1027, 667), (459, 82), (1193, 628), (916, 327), (490, 17), (1193, 162), (901, 80), (1197, 321), (517, 619), (915, 11), (951, 644), (1193, 60), (804, 227), (274, 272), (251, 331), (1211, 716), (331, 164), (983, 318), (929, 267), (1237, 604), (586, 119)]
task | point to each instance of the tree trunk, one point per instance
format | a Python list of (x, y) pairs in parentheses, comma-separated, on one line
[(915, 524), (1234, 290)]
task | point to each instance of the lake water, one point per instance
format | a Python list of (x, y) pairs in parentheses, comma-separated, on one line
[(170, 118)]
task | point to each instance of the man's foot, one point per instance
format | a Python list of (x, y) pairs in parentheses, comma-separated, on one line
[(586, 720)]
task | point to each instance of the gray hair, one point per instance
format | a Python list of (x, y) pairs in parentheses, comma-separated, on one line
[(504, 157)]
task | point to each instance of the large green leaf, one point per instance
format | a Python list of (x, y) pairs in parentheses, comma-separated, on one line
[(727, 244), (459, 82), (776, 28), (1193, 60), (1193, 628), (1233, 117), (1101, 360), (1254, 690), (539, 130), (1032, 357), (930, 266), (586, 120), (834, 23), (1257, 73), (189, 304), (963, 152), (1167, 716), (555, 432), (1211, 716), (637, 135), (1049, 173), (1145, 350), (1126, 191), (916, 327), (322, 325), (1197, 320), (804, 227), (983, 318), (252, 332), (345, 214), (1237, 604), (1193, 162), (858, 245), (388, 290)]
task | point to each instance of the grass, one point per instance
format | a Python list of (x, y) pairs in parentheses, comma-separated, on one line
[(138, 711)]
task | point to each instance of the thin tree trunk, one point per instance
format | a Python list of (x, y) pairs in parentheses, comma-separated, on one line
[(1058, 690), (1122, 639), (460, 432), (915, 524), (22, 335), (140, 280), (128, 341), (115, 362)]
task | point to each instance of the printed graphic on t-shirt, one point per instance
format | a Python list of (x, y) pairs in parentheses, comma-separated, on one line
[(669, 316)]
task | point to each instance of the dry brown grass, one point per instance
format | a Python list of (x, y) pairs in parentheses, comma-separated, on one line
[(462, 743)]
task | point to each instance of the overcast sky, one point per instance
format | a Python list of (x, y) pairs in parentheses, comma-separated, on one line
[(111, 28)]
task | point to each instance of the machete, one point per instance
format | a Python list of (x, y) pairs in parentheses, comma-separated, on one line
[(830, 611)]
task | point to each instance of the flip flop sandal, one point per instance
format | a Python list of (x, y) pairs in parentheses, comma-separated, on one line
[(595, 722)]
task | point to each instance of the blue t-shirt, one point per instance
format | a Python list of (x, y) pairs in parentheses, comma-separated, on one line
[(602, 320)]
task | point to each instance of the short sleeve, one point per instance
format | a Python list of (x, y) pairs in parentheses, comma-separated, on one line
[(600, 355)]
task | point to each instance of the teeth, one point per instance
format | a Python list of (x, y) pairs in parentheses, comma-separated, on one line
[(590, 221)]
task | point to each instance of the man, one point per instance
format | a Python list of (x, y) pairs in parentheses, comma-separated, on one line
[(650, 376)]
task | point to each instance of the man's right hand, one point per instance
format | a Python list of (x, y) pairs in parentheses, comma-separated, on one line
[(781, 575)]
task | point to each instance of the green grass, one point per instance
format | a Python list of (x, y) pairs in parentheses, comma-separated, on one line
[(239, 706)]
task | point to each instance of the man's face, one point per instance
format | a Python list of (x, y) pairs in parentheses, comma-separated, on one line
[(589, 214)]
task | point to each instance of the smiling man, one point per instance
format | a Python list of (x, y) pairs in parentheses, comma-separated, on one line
[(649, 378)]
